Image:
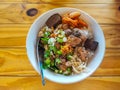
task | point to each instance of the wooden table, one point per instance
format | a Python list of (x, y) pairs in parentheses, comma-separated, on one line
[(16, 72)]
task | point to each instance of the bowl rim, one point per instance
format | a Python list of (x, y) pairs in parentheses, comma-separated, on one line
[(93, 70)]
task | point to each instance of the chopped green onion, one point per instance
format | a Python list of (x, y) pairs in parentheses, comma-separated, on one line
[(61, 32), (57, 61), (47, 61), (51, 41), (59, 40), (53, 48), (44, 66), (46, 34), (52, 63), (59, 52), (48, 65), (46, 56), (68, 69), (60, 71), (56, 71), (44, 40), (61, 46), (69, 57), (46, 53), (60, 36)]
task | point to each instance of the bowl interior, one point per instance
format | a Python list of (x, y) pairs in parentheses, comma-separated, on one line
[(92, 65)]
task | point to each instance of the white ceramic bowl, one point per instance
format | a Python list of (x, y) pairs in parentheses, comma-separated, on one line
[(92, 65)]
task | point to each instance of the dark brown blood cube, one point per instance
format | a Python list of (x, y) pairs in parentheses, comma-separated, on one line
[(90, 44), (54, 20)]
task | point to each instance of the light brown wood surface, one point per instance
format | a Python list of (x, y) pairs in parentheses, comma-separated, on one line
[(16, 72), (60, 1), (33, 83), (16, 12)]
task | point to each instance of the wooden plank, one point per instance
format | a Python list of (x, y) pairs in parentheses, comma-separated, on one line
[(14, 35), (59, 1), (20, 1), (15, 62), (16, 13), (112, 36), (81, 1), (11, 0), (110, 65), (34, 83)]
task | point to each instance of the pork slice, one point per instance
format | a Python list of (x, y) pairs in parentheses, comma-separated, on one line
[(74, 41), (63, 67), (68, 32), (82, 53), (57, 45)]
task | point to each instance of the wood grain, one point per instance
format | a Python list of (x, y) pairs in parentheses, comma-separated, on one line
[(59, 1), (34, 83), (81, 1), (15, 62), (110, 64), (20, 1), (14, 35), (112, 35), (16, 13)]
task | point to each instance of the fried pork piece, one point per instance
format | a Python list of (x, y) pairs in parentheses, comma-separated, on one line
[(82, 53), (74, 41), (57, 45), (62, 67), (68, 32), (65, 26), (83, 38)]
